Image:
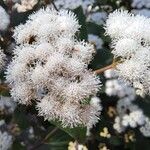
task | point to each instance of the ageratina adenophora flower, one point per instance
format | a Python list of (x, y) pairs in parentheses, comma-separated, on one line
[(51, 67), (130, 42)]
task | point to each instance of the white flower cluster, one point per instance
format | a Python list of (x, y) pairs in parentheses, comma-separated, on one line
[(141, 7), (115, 87), (25, 5), (129, 114), (144, 12), (96, 40), (5, 141), (140, 3), (4, 19), (97, 17), (130, 43), (73, 4), (2, 59), (51, 67), (74, 146)]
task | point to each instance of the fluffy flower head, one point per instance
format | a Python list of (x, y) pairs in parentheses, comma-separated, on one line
[(130, 43), (50, 67)]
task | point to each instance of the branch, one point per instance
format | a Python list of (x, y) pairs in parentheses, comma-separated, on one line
[(4, 88), (112, 66), (43, 140), (76, 145), (101, 70), (49, 134), (53, 3)]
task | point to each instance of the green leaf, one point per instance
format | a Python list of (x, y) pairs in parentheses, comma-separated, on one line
[(115, 141), (95, 29), (20, 117), (77, 133), (144, 105), (58, 141), (17, 146), (102, 58)]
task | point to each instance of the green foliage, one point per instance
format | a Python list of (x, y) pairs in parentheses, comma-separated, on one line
[(82, 21), (77, 133), (20, 117)]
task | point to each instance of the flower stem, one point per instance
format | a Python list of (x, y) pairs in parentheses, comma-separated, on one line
[(76, 145), (101, 70), (49, 134), (55, 7), (43, 141)]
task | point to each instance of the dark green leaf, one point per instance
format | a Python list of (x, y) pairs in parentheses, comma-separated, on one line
[(82, 21), (77, 133)]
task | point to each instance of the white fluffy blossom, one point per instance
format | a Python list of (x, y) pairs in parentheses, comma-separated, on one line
[(117, 23), (51, 67), (5, 140), (96, 40), (47, 25), (125, 47), (130, 43), (2, 59), (25, 5), (4, 19)]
